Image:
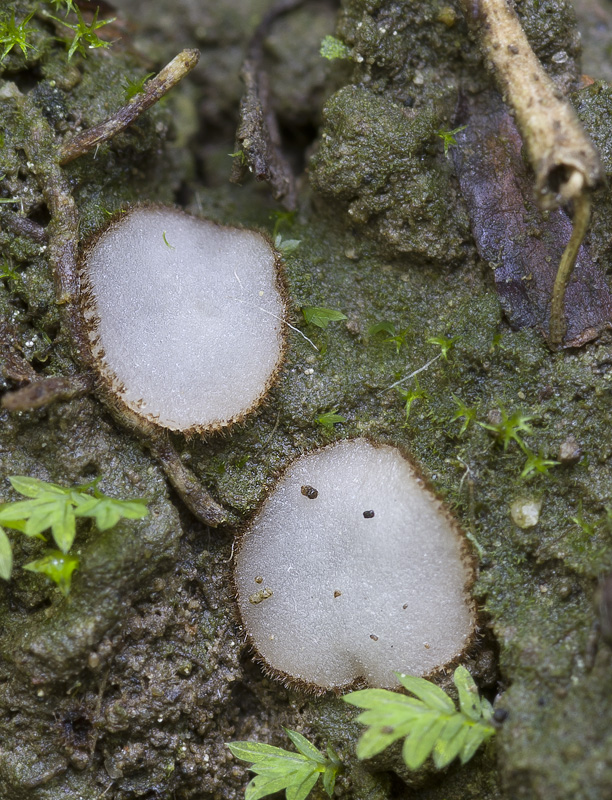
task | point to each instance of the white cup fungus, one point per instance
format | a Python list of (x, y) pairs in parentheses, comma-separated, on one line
[(184, 317), (353, 569)]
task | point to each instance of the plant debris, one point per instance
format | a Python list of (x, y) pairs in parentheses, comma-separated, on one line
[(523, 244)]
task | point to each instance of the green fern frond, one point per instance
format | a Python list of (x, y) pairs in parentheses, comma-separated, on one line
[(429, 723)]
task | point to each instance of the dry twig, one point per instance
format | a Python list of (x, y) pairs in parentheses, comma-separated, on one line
[(154, 90)]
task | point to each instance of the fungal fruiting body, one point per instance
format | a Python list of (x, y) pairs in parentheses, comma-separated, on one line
[(367, 578), (184, 317)]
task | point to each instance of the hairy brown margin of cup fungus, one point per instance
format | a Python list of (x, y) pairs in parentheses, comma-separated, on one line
[(329, 596), (184, 318)]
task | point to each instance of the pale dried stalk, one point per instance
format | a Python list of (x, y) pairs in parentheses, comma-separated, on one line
[(563, 157)]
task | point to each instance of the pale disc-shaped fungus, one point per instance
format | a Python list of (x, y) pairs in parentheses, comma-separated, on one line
[(184, 317), (354, 569)]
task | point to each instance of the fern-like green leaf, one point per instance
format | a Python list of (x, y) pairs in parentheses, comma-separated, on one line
[(429, 723), (277, 769), (54, 507)]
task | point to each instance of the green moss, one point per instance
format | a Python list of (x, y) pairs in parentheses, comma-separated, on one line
[(380, 160)]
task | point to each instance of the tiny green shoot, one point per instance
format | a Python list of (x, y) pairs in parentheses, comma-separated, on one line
[(68, 5), (282, 218), (398, 339), (57, 566), (84, 34), (429, 725), (332, 48), (321, 317), (445, 344), (588, 528), (13, 35), (134, 88), (384, 326), (411, 395), (536, 463), (509, 427), (448, 137), (8, 271), (330, 419), (166, 242), (277, 769), (241, 156), (464, 412)]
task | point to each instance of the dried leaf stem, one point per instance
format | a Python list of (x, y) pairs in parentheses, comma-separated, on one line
[(154, 90), (582, 217)]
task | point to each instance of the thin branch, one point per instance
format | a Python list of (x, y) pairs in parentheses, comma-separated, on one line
[(193, 493), (23, 226), (41, 151), (45, 391), (566, 164), (154, 90), (258, 138)]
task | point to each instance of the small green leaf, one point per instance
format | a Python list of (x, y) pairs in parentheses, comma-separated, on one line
[(263, 785), (302, 784), (255, 751), (107, 511), (305, 747), (450, 741), (286, 246), (475, 736), (330, 419), (32, 487), (57, 566), (6, 556), (382, 327), (331, 771), (469, 699), (321, 317), (428, 692), (420, 743), (46, 511)]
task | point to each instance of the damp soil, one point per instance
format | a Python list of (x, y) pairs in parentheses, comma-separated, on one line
[(131, 686)]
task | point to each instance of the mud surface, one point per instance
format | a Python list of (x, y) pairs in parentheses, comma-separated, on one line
[(130, 686)]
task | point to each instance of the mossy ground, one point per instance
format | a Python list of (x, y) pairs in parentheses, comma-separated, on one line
[(131, 685)]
